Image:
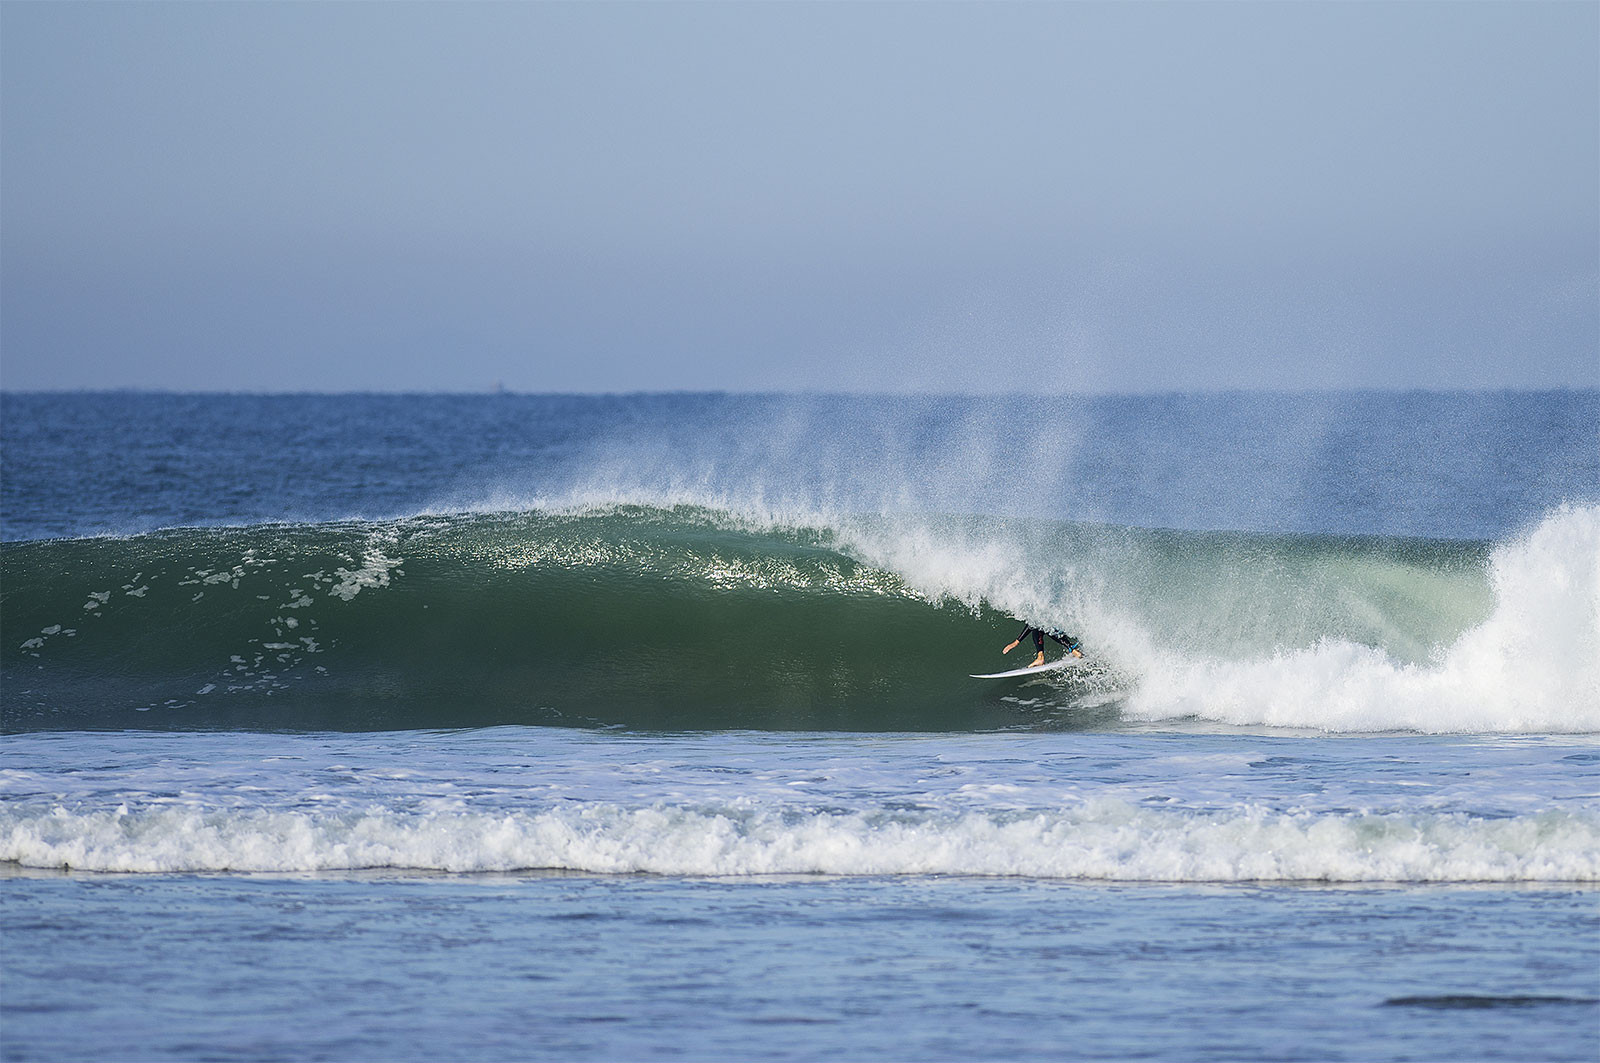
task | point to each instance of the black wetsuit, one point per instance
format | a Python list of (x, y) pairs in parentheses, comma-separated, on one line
[(1038, 633)]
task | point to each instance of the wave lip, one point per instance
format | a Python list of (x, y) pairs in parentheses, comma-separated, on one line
[(1102, 839)]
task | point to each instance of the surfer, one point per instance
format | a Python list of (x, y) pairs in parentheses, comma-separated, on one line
[(1068, 642)]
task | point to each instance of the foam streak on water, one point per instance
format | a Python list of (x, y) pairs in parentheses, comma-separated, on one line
[(1094, 807)]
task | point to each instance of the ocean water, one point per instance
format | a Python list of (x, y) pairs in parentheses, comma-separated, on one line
[(508, 727)]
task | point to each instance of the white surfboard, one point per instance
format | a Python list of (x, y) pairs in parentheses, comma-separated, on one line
[(1048, 666)]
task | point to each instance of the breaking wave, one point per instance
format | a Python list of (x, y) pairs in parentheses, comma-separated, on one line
[(664, 615), (1102, 839)]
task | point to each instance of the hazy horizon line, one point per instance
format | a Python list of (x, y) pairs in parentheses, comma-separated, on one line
[(496, 392)]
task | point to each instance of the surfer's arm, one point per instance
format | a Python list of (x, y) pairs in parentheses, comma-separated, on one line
[(1011, 647)]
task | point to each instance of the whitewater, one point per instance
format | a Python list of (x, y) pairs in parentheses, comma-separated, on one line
[(1244, 809)]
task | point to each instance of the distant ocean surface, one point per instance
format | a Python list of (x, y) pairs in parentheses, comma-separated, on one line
[(507, 727)]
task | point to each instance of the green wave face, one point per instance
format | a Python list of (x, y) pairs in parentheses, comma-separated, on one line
[(670, 618), (642, 618)]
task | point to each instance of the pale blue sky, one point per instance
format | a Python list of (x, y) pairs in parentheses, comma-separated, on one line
[(951, 197)]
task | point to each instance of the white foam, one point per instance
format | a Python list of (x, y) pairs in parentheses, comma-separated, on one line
[(374, 572), (1104, 839), (1532, 666)]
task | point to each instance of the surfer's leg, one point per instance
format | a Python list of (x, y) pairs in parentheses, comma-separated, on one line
[(1069, 643), (1038, 644)]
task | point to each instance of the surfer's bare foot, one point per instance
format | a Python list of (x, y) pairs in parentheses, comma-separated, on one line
[(1037, 661)]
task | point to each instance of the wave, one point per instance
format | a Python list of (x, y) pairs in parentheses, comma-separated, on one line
[(1103, 839), (662, 614), (649, 618)]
